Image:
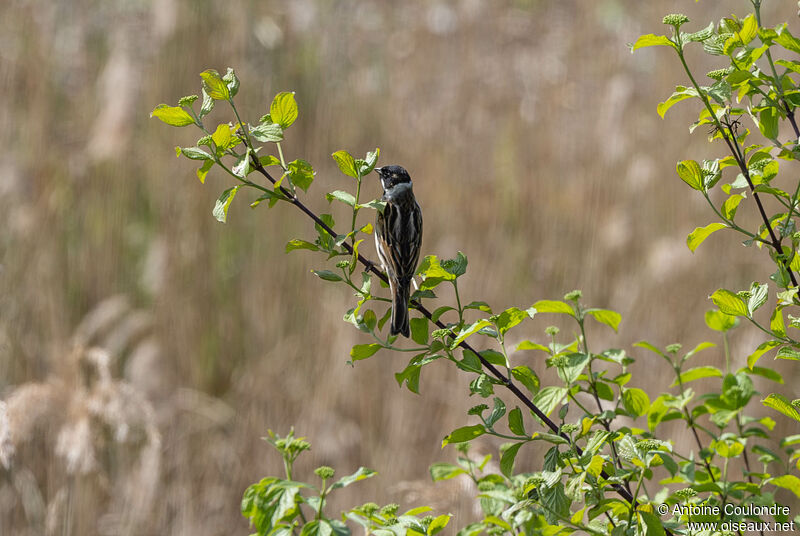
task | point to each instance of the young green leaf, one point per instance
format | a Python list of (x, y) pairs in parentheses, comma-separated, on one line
[(214, 85), (507, 459), (419, 330), (283, 109), (515, 422), (346, 163), (172, 115), (267, 132), (607, 317), (339, 195), (363, 351), (689, 171), (697, 373), (510, 318), (300, 173), (463, 434), (553, 306), (697, 236), (729, 303), (527, 377), (636, 401), (719, 321), (220, 211), (361, 474), (445, 471), (651, 40)]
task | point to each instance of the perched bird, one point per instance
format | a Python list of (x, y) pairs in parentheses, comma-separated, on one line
[(398, 238)]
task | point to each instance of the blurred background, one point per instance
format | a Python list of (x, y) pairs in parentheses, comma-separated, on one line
[(146, 348)]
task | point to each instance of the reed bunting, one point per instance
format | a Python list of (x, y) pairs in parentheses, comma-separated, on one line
[(398, 238)]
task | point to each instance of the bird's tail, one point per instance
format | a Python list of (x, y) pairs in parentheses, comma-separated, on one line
[(400, 297)]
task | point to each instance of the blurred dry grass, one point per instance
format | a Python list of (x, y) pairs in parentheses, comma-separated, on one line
[(532, 136)]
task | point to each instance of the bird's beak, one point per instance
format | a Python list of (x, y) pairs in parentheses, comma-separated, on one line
[(379, 171)]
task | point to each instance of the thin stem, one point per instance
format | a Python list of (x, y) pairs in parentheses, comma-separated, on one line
[(775, 243), (505, 380)]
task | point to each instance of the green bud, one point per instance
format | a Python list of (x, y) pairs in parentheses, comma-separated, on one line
[(324, 472), (559, 361), (343, 264), (575, 295), (569, 428), (719, 74), (205, 140), (648, 444), (187, 100), (676, 20), (674, 348), (685, 493), (796, 403), (551, 330), (369, 508), (390, 510), (440, 333), (427, 520)]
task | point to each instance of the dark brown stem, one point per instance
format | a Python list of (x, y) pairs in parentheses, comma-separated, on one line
[(505, 380)]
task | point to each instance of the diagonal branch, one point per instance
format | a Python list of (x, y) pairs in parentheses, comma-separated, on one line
[(505, 380)]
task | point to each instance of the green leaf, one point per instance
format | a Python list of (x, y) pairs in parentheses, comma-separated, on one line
[(607, 317), (232, 81), (470, 330), (719, 321), (433, 272), (317, 528), (788, 353), (300, 173), (327, 275), (207, 106), (510, 318), (698, 373), (193, 153), (214, 85), (731, 205), (701, 35), (463, 434), (527, 377), (553, 306), (697, 236), (222, 136), (296, 243), (768, 122), (680, 95), (781, 404), (729, 303), (549, 397), (651, 40), (203, 170), (419, 330), (758, 297), (515, 423), (220, 211), (507, 459), (636, 401), (362, 474), (530, 345), (652, 524), (267, 132), (283, 109), (436, 525), (445, 471), (690, 172), (787, 40), (363, 351), (367, 165), (345, 197), (497, 412), (346, 163), (790, 482), (172, 115), (762, 349)]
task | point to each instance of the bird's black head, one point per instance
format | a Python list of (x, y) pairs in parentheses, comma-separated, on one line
[(392, 176)]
